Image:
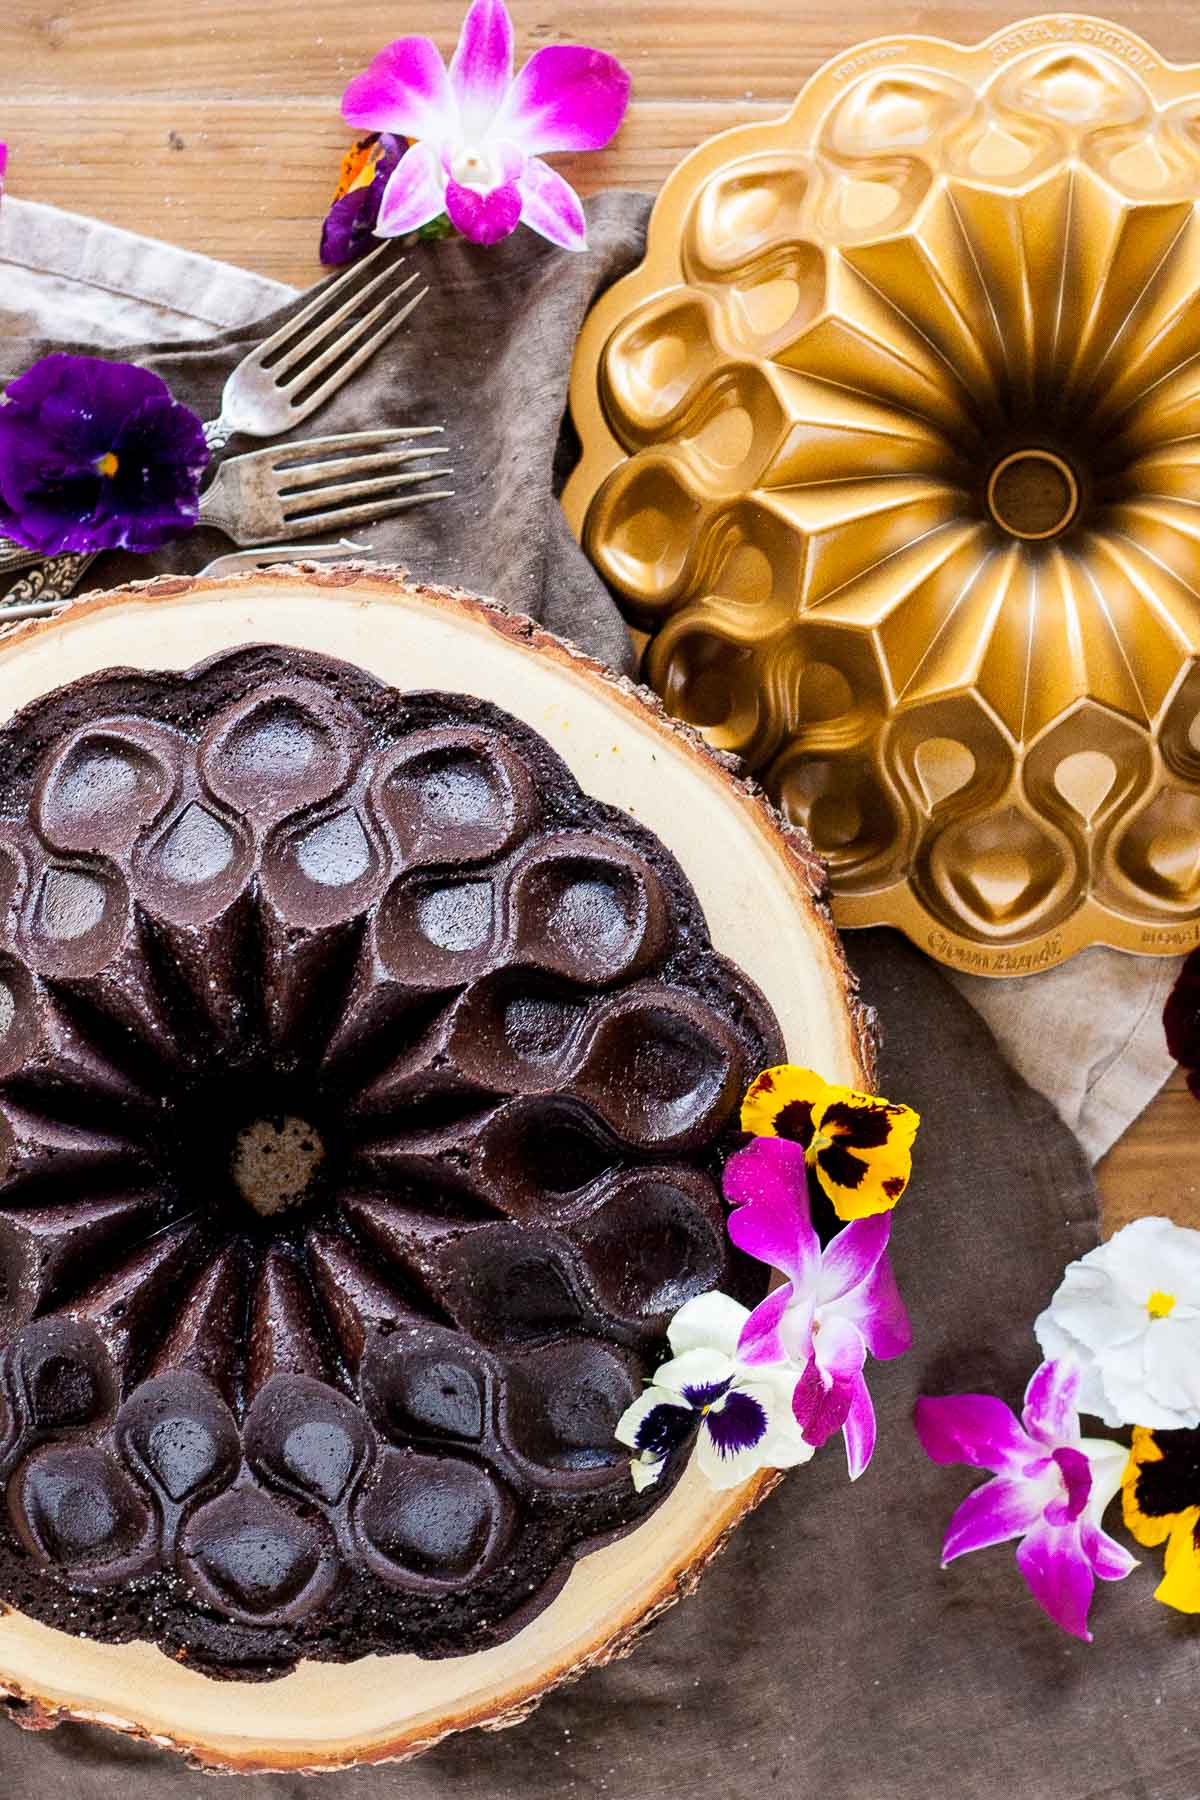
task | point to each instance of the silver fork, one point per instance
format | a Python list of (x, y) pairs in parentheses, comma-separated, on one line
[(238, 562), (303, 489), (272, 389)]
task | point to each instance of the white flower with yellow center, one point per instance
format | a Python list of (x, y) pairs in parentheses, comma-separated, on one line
[(1128, 1313)]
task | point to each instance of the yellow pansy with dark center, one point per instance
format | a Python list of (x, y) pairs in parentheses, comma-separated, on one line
[(858, 1145), (1160, 1496)]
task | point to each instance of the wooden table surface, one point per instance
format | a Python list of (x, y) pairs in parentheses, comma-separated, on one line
[(215, 124)]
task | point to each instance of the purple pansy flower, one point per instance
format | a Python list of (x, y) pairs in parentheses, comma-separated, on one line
[(478, 136), (1050, 1489), (349, 229), (741, 1418), (836, 1305), (96, 455)]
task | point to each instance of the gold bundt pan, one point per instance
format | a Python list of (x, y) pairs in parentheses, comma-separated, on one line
[(892, 446)]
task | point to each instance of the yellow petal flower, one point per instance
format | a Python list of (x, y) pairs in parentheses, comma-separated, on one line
[(1180, 1585), (858, 1145), (1147, 1528)]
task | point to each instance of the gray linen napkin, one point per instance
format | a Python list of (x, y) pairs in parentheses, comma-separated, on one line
[(489, 352)]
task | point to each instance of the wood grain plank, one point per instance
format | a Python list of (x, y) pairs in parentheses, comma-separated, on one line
[(1155, 1168), (278, 50), (158, 167)]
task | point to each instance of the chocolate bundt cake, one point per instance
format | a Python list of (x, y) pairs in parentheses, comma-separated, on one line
[(364, 1088)]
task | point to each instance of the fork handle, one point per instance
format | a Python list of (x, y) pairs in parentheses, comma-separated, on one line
[(55, 579), (15, 556)]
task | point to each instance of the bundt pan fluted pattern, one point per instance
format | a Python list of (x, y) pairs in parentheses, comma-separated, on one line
[(363, 1091), (892, 446)]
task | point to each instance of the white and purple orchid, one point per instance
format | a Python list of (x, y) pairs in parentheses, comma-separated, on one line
[(741, 1417), (836, 1305), (1050, 1488), (478, 136)]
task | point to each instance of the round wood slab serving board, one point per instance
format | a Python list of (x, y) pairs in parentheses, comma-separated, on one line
[(762, 891)]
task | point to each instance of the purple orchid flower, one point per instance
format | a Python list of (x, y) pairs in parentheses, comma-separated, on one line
[(836, 1304), (478, 136), (1050, 1489), (96, 455)]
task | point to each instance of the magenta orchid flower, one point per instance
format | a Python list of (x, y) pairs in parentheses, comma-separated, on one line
[(836, 1305), (1050, 1488), (478, 136)]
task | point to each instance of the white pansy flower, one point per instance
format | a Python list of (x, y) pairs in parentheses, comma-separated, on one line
[(741, 1418), (1128, 1313)]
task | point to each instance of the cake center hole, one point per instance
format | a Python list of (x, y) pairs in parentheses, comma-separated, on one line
[(275, 1163), (1033, 494)]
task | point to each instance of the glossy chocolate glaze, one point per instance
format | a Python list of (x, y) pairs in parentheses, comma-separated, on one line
[(367, 1406)]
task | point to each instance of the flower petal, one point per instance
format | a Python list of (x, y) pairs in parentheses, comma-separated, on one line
[(784, 1102), (645, 1474), (1180, 1585), (1172, 1364), (484, 218), (858, 1432), (991, 1514), (819, 1405), (710, 1322), (1058, 1345), (1049, 1413), (850, 1258), (762, 1339), (349, 228), (738, 1424), (879, 1312), (415, 194), (866, 1167), (96, 455), (629, 1427), (699, 1370), (551, 207), (1107, 1462), (482, 65), (839, 1348), (1110, 1561), (768, 1184), (972, 1428), (1075, 1472), (567, 97), (829, 1383), (1148, 1527), (1058, 1575), (406, 90)]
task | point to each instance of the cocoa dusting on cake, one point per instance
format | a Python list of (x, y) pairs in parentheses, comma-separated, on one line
[(364, 1087)]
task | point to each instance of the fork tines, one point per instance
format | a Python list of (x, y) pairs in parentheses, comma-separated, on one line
[(288, 354), (350, 503)]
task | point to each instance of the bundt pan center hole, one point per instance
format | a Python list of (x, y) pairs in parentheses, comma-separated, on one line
[(1033, 494), (275, 1163)]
